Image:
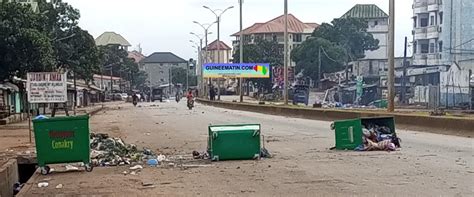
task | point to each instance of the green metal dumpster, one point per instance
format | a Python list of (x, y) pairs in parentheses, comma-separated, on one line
[(62, 140), (234, 142), (348, 133)]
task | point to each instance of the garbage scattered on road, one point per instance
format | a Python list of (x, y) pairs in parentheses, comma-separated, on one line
[(71, 168), (43, 184), (136, 167), (59, 186), (264, 153), (152, 162), (133, 173), (147, 184), (107, 151), (376, 137)]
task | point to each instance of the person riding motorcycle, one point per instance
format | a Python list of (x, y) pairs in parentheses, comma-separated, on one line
[(190, 96), (134, 99)]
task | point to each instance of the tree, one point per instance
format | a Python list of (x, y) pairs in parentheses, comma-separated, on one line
[(307, 57), (349, 33), (23, 46), (75, 49), (263, 51), (342, 41)]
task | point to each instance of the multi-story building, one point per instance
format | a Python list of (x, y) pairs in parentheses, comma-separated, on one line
[(274, 30), (114, 39), (213, 52), (377, 21), (443, 32), (158, 67)]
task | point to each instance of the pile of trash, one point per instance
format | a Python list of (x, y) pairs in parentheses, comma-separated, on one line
[(107, 151), (376, 137)]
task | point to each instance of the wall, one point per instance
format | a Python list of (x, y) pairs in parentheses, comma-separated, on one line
[(455, 87), (8, 177)]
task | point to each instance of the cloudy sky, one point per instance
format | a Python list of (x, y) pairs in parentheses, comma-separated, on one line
[(164, 25)]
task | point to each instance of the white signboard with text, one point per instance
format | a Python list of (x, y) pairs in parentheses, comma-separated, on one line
[(47, 87)]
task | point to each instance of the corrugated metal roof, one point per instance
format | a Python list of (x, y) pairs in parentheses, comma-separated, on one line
[(111, 38), (277, 25), (213, 46), (365, 11), (163, 57)]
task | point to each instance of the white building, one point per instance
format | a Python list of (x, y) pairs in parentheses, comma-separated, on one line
[(443, 32), (377, 25)]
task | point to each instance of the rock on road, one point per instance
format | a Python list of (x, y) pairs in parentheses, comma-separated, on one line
[(303, 165)]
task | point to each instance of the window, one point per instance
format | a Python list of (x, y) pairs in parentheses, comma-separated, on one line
[(424, 48), (432, 47), (275, 38), (440, 46), (161, 64), (162, 80), (414, 21), (297, 38), (424, 22), (432, 20), (161, 72), (441, 18), (376, 23)]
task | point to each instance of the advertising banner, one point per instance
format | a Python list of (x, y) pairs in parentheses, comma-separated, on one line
[(250, 70), (47, 87)]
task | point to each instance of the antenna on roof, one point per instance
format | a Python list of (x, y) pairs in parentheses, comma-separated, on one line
[(139, 48)]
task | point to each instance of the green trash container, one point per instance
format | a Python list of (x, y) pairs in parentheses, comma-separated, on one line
[(234, 142), (348, 133), (62, 140)]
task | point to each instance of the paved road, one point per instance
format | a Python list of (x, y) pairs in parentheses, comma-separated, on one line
[(428, 164)]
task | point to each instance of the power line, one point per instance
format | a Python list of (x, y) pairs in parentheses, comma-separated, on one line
[(325, 54)]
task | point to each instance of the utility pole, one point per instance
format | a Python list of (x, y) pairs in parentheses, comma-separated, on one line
[(285, 73), (403, 93), (391, 58), (205, 27), (319, 69), (241, 50)]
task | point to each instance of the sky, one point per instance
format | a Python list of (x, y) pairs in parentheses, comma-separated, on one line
[(165, 25)]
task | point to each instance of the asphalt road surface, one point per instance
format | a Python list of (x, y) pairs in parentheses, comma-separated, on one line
[(427, 165)]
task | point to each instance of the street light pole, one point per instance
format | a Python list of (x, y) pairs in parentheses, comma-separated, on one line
[(218, 19), (241, 50), (391, 58), (285, 74), (205, 28)]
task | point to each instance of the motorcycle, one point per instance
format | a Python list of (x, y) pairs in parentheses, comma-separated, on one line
[(135, 102), (190, 103), (178, 98)]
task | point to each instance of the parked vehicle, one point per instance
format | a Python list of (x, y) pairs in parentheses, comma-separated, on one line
[(157, 94), (300, 94)]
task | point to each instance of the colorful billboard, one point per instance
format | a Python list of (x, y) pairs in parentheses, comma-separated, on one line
[(250, 70)]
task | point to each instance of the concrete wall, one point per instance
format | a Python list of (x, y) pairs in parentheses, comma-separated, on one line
[(445, 125), (8, 177)]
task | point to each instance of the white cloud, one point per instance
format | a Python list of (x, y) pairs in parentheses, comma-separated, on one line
[(164, 25)]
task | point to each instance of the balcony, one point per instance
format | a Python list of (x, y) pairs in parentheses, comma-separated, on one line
[(432, 32), (420, 7), (420, 59), (420, 33)]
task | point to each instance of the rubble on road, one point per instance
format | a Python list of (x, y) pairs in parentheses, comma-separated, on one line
[(107, 151)]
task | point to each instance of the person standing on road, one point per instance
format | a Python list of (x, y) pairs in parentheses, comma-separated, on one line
[(212, 93)]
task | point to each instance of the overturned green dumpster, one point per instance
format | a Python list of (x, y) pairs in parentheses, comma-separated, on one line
[(374, 133), (234, 142)]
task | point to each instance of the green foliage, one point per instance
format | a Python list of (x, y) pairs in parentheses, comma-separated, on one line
[(23, 46), (263, 51), (343, 40), (307, 57), (45, 41), (349, 33)]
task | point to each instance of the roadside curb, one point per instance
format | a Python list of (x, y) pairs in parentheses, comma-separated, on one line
[(443, 125)]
